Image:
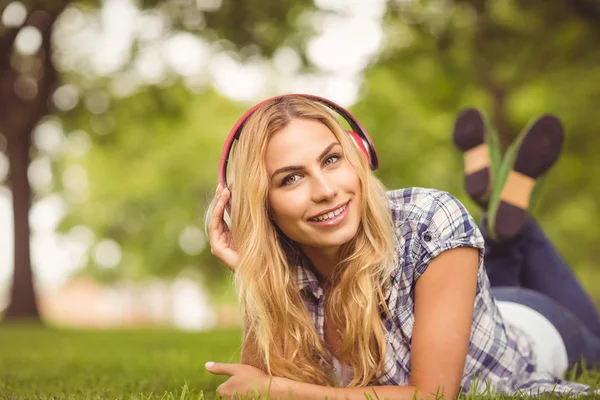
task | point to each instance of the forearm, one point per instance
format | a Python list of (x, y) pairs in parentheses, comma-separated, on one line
[(288, 389)]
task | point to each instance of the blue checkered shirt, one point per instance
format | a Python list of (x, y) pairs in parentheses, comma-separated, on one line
[(500, 356)]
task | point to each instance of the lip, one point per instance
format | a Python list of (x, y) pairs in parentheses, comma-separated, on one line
[(329, 210), (335, 220)]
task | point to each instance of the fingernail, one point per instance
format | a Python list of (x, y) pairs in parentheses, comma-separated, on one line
[(209, 364)]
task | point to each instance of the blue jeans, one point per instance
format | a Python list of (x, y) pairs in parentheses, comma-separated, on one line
[(528, 270)]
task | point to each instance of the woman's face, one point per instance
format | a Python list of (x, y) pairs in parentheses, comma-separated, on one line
[(314, 193)]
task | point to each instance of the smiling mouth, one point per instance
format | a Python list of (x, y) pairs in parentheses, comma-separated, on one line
[(329, 215)]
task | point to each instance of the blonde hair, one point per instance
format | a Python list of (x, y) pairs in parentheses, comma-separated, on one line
[(280, 337)]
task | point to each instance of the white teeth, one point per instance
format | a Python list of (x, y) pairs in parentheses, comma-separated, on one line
[(331, 214)]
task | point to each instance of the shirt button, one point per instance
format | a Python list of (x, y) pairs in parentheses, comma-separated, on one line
[(427, 237)]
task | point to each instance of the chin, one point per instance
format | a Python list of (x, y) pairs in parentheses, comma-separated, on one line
[(336, 239)]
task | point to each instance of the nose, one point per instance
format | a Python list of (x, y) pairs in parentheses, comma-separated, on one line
[(323, 189)]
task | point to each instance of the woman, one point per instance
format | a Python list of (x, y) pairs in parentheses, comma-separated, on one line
[(348, 290)]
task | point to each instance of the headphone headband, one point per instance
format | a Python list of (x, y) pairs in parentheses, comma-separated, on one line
[(235, 132)]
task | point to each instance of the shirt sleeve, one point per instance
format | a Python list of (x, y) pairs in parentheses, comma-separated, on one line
[(445, 224)]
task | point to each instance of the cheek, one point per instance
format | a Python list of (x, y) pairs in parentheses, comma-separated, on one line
[(351, 184), (351, 180), (285, 208)]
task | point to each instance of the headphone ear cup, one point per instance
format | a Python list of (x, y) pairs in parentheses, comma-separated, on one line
[(362, 145)]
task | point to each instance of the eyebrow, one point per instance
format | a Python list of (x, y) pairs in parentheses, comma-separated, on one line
[(291, 168)]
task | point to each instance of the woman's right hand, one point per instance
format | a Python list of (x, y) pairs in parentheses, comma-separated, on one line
[(220, 237)]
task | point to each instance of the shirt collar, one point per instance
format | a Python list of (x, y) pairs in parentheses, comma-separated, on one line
[(307, 280), (387, 289)]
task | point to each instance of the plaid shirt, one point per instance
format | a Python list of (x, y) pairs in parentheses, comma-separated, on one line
[(500, 355)]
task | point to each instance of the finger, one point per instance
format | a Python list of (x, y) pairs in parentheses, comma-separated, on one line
[(222, 368), (222, 393), (216, 229), (217, 211), (225, 394), (225, 196), (220, 207), (213, 230), (223, 203)]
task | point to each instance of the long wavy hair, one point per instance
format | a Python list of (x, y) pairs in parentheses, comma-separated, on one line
[(280, 337)]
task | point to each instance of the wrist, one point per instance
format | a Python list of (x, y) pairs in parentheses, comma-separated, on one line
[(281, 388)]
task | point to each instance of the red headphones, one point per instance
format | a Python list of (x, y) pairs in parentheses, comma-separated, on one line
[(359, 134)]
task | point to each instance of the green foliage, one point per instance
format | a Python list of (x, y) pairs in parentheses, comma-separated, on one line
[(251, 27), (262, 26), (151, 176)]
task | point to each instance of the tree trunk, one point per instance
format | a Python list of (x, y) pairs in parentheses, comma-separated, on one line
[(23, 303), (19, 115)]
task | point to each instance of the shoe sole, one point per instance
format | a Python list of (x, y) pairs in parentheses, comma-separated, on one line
[(538, 151), (470, 132)]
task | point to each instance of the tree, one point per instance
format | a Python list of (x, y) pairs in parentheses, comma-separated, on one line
[(28, 81), (24, 94)]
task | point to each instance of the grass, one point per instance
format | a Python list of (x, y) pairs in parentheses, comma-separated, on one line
[(47, 363)]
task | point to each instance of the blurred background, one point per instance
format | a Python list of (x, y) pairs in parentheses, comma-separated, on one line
[(113, 114)]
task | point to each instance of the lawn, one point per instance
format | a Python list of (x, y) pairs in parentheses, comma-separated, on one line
[(48, 363), (45, 363)]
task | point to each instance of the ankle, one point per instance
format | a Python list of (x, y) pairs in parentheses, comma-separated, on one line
[(517, 190), (493, 239)]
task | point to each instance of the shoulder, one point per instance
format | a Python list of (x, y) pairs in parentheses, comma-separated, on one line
[(427, 206), (429, 221)]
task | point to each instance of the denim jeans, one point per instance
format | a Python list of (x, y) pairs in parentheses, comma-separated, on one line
[(528, 270)]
